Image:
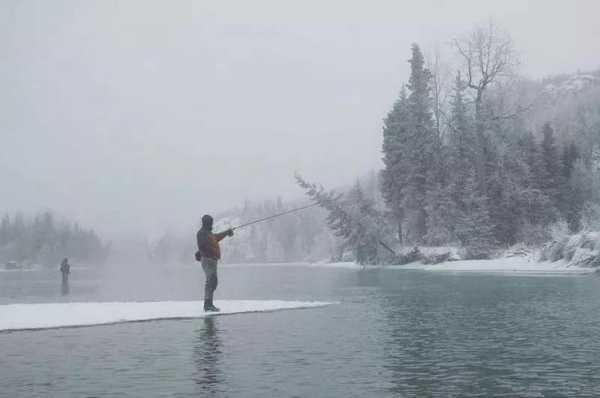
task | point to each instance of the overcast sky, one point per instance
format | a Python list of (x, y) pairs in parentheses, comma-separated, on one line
[(139, 116)]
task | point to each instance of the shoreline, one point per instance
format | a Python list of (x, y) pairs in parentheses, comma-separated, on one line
[(507, 265), (511, 265)]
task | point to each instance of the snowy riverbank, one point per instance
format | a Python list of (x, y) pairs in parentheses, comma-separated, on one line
[(516, 265), (567, 255), (520, 265)]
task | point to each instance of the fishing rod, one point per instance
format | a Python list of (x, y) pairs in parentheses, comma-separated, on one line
[(274, 216)]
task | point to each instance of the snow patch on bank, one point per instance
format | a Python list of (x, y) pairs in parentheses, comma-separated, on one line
[(516, 260), (501, 265), (514, 265), (53, 315)]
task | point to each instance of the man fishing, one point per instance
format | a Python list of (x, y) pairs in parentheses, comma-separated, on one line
[(65, 269), (209, 254)]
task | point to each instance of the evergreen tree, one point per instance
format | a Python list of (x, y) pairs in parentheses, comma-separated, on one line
[(534, 203), (441, 213), (551, 167), (363, 235), (422, 142), (580, 192), (5, 231), (570, 155), (534, 160), (474, 226), (572, 196), (495, 200), (395, 174), (461, 156), (42, 241), (410, 147), (353, 218)]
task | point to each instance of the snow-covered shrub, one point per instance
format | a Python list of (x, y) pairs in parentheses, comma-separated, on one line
[(478, 253), (518, 250), (582, 249), (437, 258)]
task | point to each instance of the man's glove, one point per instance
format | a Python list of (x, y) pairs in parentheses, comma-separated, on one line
[(229, 232)]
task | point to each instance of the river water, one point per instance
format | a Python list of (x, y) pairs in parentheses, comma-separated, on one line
[(393, 333)]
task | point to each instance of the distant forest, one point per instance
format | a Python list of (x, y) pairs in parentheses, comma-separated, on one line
[(44, 240)]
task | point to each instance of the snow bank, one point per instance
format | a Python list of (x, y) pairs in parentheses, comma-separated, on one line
[(512, 265), (41, 316), (502, 265), (515, 260)]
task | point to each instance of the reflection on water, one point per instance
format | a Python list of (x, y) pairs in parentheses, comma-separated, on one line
[(461, 336), (64, 287), (367, 277), (207, 358)]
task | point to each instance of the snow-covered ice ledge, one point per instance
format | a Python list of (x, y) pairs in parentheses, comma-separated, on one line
[(54, 315)]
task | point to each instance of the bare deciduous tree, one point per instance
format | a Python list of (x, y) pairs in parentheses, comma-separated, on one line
[(488, 53), (440, 77)]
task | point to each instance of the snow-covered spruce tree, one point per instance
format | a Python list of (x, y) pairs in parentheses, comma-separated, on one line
[(441, 214), (394, 175), (592, 209), (580, 191), (363, 237), (474, 227), (44, 240), (353, 218), (533, 159), (439, 207), (461, 154), (422, 142), (495, 199), (409, 147), (571, 193), (551, 169), (533, 203), (522, 165), (570, 155)]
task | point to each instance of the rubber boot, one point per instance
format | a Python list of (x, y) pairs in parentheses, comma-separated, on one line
[(210, 307)]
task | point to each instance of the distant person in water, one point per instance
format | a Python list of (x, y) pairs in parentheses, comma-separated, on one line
[(209, 253), (65, 270)]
